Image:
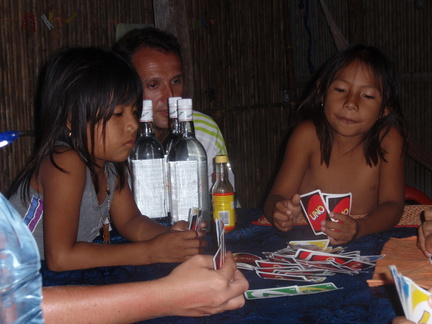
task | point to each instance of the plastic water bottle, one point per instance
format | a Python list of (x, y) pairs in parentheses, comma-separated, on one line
[(20, 280), (174, 133), (148, 166), (188, 179)]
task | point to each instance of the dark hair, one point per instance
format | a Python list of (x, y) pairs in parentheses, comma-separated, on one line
[(150, 37), (385, 78), (82, 87)]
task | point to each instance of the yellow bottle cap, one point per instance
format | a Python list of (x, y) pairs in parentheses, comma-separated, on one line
[(221, 159)]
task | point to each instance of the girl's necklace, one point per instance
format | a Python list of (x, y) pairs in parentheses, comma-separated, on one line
[(107, 220)]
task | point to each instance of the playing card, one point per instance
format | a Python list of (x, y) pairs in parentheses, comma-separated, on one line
[(193, 218), (315, 209), (289, 291), (219, 257), (339, 203), (414, 299)]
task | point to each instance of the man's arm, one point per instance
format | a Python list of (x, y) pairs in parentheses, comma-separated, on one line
[(192, 289)]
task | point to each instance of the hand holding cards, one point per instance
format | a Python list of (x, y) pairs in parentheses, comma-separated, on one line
[(414, 299), (317, 207)]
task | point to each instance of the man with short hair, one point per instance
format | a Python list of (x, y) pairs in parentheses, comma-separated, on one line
[(156, 56)]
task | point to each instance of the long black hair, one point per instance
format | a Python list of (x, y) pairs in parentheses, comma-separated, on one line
[(80, 88), (385, 77)]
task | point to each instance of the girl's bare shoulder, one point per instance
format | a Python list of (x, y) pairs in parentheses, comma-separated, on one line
[(305, 133), (392, 140), (65, 158)]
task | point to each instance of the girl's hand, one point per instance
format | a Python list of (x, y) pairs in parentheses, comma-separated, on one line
[(424, 241), (284, 212), (180, 226), (176, 246), (340, 232)]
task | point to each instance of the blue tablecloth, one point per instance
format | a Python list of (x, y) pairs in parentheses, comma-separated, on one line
[(355, 303)]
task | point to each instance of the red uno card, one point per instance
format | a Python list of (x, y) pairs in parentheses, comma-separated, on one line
[(339, 203), (315, 209)]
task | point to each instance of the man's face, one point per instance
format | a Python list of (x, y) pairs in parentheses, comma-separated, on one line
[(161, 76)]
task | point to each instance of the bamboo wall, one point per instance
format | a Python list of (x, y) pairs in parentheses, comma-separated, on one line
[(245, 54), (24, 49)]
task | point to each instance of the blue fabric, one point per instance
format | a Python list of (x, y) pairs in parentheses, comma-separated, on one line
[(355, 303)]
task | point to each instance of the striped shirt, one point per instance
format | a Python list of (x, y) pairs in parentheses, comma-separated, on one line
[(210, 136)]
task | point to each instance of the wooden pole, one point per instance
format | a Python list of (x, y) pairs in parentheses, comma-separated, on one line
[(171, 16)]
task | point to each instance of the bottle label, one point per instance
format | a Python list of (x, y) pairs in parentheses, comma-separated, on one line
[(223, 207), (184, 189), (149, 187)]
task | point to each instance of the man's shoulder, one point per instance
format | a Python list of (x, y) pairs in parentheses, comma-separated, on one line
[(204, 123), (200, 117)]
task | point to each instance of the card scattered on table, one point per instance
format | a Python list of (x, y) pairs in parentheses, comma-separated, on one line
[(308, 261), (317, 207), (414, 299), (289, 291)]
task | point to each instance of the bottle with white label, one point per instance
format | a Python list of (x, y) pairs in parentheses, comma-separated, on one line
[(174, 132), (223, 194), (147, 159), (188, 179)]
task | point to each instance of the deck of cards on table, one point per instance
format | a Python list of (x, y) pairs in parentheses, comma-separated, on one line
[(317, 207), (307, 261), (414, 299)]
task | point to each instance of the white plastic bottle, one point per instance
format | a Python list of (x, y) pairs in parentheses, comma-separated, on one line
[(188, 179), (147, 159), (20, 279)]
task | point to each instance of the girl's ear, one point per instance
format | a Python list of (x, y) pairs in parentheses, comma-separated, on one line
[(385, 112), (68, 125)]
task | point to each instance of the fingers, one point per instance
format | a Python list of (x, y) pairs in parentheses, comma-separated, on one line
[(424, 241), (296, 200), (180, 226), (342, 231), (282, 216), (229, 267), (428, 214)]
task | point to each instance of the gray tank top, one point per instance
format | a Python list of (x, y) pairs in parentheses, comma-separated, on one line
[(91, 213)]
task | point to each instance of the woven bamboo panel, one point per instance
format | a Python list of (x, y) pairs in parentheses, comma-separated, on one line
[(24, 49), (256, 138)]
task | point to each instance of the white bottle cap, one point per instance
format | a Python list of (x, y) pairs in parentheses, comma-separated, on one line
[(184, 107), (172, 105), (147, 112)]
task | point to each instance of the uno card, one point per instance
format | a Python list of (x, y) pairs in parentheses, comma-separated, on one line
[(193, 218), (339, 203), (219, 257), (414, 299), (245, 261), (315, 209), (290, 291)]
